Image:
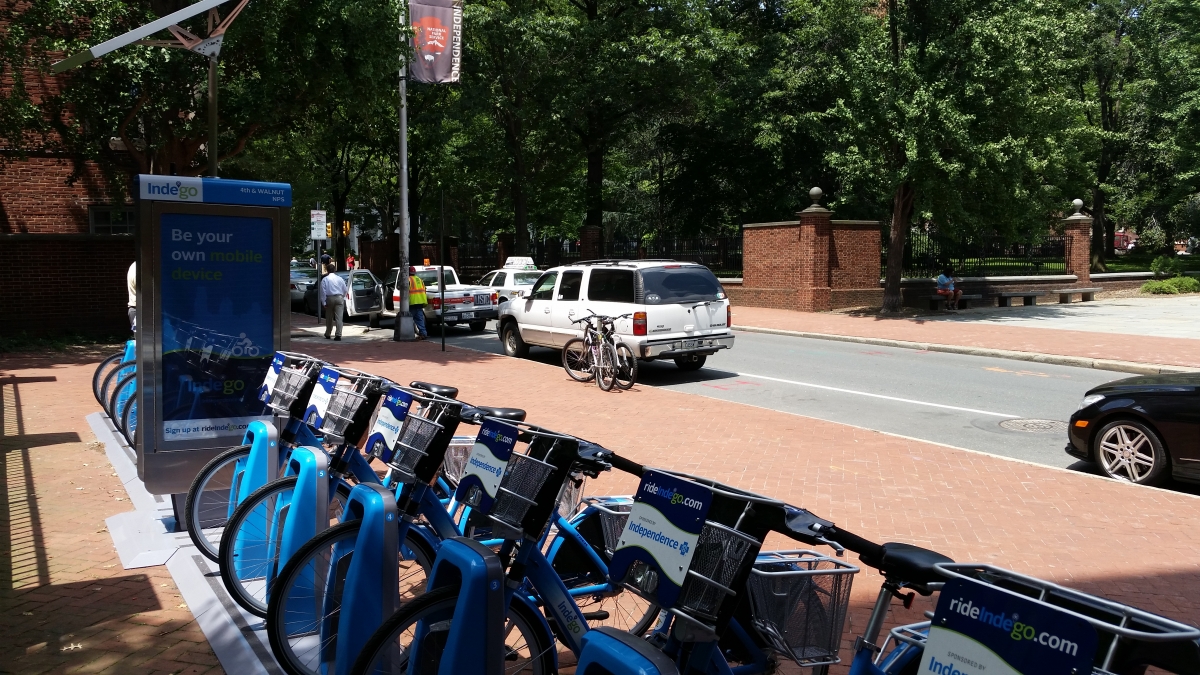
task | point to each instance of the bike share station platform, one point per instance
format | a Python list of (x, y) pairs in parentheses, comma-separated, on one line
[(213, 301)]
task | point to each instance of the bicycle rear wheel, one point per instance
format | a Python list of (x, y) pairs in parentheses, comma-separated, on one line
[(249, 551), (606, 371), (106, 366), (577, 360), (388, 650), (127, 383), (210, 500), (129, 419), (626, 366), (308, 595)]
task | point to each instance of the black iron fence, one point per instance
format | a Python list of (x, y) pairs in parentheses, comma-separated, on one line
[(928, 253)]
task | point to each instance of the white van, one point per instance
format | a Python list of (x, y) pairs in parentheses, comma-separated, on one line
[(678, 310)]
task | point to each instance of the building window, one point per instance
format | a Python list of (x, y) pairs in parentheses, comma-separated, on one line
[(112, 219)]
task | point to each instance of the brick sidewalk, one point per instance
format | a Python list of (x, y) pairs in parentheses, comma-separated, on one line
[(1133, 544), (66, 604), (1139, 348)]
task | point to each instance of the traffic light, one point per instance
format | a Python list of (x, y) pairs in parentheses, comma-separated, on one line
[(329, 230), (345, 228)]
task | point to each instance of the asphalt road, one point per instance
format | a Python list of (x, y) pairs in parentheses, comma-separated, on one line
[(945, 398)]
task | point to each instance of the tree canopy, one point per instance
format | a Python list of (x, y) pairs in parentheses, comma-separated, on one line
[(660, 118)]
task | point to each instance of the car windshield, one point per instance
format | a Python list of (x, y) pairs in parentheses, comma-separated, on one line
[(680, 283), (430, 277), (304, 273), (526, 278)]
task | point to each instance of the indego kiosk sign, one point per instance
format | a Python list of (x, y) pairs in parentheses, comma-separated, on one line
[(213, 302)]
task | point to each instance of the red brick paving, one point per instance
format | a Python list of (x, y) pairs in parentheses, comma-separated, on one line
[(1139, 348), (66, 604), (1133, 544)]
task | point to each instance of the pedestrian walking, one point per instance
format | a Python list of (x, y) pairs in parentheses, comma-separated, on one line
[(945, 288), (350, 261), (312, 262), (326, 260), (417, 301), (333, 299), (131, 286)]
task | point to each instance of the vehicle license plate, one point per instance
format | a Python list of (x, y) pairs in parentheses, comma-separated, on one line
[(467, 315), (483, 300), (688, 344)]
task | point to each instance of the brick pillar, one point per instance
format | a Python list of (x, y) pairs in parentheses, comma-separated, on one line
[(590, 244), (1077, 231), (815, 251)]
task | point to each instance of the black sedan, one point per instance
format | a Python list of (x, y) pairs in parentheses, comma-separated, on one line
[(1141, 429)]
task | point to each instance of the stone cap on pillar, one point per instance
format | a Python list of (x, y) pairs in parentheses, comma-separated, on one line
[(815, 194), (1077, 217)]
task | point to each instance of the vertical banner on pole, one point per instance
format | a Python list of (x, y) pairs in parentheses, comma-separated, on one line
[(436, 40)]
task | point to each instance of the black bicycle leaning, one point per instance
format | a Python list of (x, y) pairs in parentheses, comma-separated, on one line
[(600, 354)]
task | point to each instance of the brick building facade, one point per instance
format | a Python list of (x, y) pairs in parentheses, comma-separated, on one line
[(64, 242)]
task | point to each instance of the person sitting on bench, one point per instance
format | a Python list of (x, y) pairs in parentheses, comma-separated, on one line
[(945, 288)]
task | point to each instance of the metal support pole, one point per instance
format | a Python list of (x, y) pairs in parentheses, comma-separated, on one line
[(442, 263), (212, 117), (404, 328)]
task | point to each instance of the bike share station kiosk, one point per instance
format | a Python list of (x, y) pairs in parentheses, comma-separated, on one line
[(213, 305)]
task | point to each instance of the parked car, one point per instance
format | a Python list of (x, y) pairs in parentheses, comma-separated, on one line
[(513, 280), (679, 310), (471, 304), (364, 294), (301, 279), (1141, 429)]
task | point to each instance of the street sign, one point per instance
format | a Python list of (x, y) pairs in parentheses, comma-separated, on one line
[(317, 223)]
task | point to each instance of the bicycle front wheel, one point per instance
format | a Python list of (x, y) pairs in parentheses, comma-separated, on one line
[(626, 366), (106, 366), (430, 617), (606, 370), (577, 360), (249, 551), (211, 500), (303, 613)]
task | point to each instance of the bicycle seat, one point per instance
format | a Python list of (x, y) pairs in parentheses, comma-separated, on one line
[(511, 414), (911, 564), (439, 389)]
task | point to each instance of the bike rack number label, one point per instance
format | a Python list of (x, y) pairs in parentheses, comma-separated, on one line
[(982, 630), (663, 527), (486, 465)]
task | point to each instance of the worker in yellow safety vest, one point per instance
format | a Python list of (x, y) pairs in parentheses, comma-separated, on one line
[(417, 301)]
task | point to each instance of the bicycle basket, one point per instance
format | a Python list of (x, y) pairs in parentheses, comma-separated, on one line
[(614, 513), (571, 495), (343, 405), (287, 387), (454, 464), (413, 444), (720, 552), (522, 480), (799, 601)]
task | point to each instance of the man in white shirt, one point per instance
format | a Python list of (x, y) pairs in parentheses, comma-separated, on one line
[(332, 296), (131, 286)]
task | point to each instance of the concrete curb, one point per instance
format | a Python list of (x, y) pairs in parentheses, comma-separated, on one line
[(1035, 357)]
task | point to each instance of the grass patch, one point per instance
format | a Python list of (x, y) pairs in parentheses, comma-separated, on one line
[(62, 342), (1140, 262)]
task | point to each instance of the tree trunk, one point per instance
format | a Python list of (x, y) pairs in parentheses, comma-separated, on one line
[(594, 190), (1098, 230), (902, 205)]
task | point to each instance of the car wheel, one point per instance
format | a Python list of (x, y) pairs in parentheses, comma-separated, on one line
[(690, 362), (514, 346), (477, 326), (1130, 451)]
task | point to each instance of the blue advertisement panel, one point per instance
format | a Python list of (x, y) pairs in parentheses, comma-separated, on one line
[(217, 323), (388, 422), (486, 464), (981, 630), (663, 527)]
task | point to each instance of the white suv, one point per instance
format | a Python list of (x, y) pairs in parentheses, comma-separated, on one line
[(679, 310)]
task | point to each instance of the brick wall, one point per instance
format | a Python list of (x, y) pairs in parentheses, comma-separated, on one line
[(771, 267), (65, 283)]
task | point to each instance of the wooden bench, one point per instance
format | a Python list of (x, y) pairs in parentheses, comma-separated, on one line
[(1029, 297), (1087, 294), (964, 301)]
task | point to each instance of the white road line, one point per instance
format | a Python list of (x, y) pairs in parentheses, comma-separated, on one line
[(888, 398)]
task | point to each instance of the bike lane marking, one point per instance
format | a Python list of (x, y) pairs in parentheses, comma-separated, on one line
[(882, 396)]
